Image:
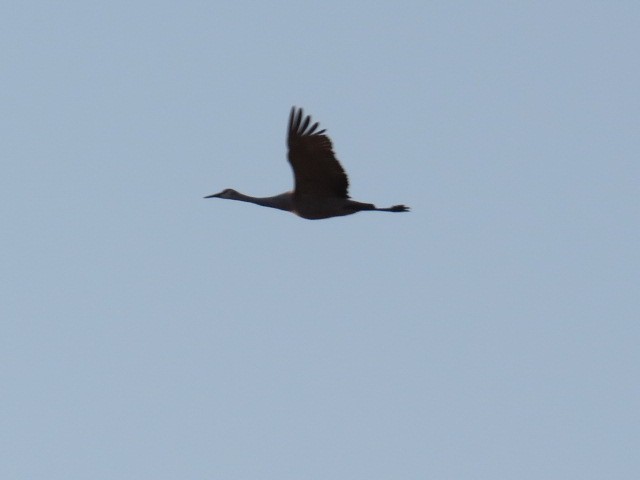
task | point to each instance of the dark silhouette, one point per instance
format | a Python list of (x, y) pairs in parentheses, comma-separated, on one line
[(320, 181)]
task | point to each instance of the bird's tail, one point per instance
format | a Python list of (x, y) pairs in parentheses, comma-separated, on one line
[(398, 208), (372, 207)]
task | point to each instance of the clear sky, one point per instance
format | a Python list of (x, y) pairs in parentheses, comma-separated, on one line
[(491, 333)]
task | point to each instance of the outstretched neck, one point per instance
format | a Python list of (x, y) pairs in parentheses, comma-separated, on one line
[(284, 201)]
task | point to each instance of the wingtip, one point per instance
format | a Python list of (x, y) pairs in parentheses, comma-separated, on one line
[(293, 114)]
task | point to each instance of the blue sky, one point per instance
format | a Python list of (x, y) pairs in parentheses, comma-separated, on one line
[(490, 333)]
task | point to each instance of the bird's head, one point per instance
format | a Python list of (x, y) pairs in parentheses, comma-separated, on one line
[(226, 193)]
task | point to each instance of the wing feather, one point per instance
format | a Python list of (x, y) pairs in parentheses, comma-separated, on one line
[(315, 168)]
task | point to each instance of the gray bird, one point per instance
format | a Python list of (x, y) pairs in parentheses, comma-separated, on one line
[(321, 183)]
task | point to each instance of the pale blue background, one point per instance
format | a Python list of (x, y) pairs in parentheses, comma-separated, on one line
[(492, 333)]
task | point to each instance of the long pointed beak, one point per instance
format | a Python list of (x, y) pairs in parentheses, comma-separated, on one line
[(215, 195)]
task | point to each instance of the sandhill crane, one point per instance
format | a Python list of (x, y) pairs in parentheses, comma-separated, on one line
[(320, 182)]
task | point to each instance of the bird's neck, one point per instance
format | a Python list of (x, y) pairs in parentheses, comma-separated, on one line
[(284, 201)]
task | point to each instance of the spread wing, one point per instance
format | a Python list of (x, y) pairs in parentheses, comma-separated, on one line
[(315, 167)]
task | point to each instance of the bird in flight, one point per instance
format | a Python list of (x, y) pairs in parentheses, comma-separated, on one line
[(321, 183)]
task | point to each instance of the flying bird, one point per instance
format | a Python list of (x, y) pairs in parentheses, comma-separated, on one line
[(321, 183)]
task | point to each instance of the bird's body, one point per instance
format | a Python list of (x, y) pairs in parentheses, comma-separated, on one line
[(321, 184)]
